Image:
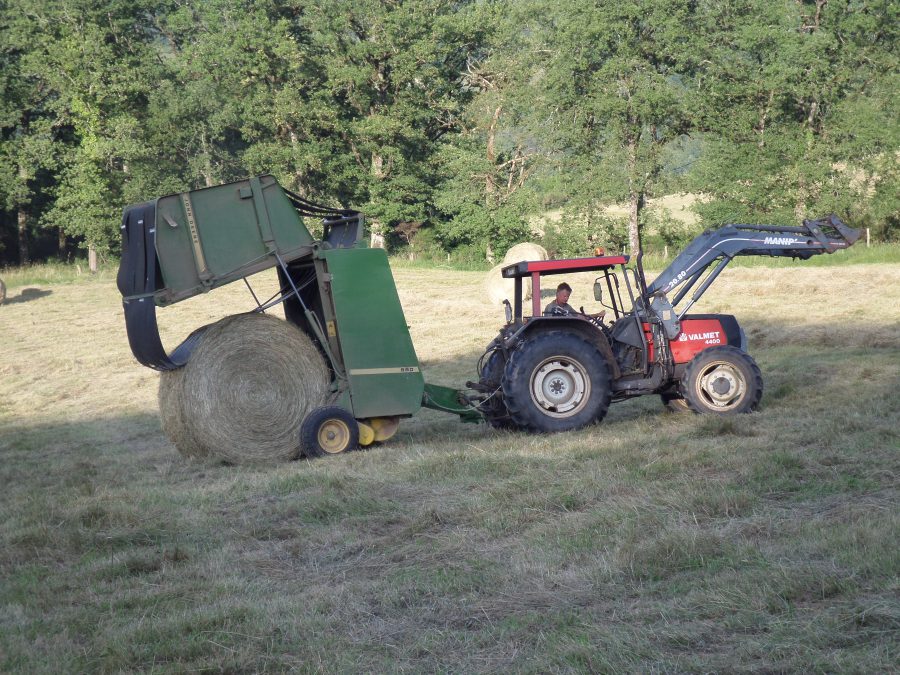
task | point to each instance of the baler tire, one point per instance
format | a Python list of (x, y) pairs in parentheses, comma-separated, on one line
[(329, 430), (729, 368), (556, 364)]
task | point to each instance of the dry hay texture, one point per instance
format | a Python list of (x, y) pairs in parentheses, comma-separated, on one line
[(499, 289), (244, 392), (525, 251)]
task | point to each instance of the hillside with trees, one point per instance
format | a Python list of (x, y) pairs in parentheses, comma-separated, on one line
[(453, 125)]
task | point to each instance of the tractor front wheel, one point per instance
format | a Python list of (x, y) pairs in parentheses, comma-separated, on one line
[(556, 381), (329, 430), (722, 381)]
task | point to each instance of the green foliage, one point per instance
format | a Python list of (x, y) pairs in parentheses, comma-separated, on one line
[(670, 231), (469, 118), (800, 111), (577, 236)]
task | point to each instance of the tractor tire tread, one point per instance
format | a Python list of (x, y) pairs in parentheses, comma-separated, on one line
[(725, 352), (516, 383)]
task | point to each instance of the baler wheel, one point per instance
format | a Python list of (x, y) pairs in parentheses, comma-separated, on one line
[(556, 381), (329, 430), (722, 381)]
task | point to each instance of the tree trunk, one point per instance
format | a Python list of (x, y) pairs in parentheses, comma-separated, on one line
[(92, 259), (635, 200), (490, 185), (299, 178), (636, 205), (207, 161), (378, 166), (61, 244), (376, 238), (23, 237)]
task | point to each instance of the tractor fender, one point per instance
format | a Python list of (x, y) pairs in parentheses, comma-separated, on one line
[(570, 324)]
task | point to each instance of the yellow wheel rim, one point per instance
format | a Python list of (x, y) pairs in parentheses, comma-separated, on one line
[(366, 434), (384, 427), (334, 436)]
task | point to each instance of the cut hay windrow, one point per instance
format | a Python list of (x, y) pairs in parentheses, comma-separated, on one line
[(245, 391)]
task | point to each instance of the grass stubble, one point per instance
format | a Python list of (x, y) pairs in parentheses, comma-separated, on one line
[(653, 542)]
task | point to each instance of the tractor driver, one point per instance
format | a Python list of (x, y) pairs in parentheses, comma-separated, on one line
[(560, 305)]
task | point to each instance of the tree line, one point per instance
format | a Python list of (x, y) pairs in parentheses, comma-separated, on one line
[(452, 124)]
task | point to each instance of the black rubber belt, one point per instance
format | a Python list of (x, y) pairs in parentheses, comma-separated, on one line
[(137, 279)]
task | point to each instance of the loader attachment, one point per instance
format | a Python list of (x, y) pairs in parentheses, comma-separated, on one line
[(721, 246)]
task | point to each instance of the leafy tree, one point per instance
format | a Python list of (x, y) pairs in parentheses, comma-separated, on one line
[(91, 64), (391, 70), (618, 76), (27, 132), (800, 110), (484, 192)]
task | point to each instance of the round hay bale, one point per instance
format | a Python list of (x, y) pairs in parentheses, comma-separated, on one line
[(247, 387), (499, 289), (171, 414), (525, 251)]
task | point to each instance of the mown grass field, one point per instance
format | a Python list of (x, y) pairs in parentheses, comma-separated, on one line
[(655, 542)]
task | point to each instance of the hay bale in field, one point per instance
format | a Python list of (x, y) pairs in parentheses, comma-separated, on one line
[(171, 414), (245, 391), (525, 251), (499, 289)]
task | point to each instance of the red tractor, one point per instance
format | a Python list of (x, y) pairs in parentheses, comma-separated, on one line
[(559, 372)]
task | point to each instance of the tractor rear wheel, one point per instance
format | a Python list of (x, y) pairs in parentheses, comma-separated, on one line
[(722, 381), (556, 381), (494, 409), (329, 430)]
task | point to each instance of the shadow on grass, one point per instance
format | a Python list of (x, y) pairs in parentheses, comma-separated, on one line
[(26, 295)]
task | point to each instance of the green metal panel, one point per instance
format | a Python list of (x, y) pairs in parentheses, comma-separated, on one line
[(210, 237), (377, 350)]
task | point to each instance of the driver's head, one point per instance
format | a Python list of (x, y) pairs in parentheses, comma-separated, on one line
[(563, 291)]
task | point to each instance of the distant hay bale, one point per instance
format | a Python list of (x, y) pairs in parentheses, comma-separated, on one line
[(525, 251), (499, 289), (245, 391)]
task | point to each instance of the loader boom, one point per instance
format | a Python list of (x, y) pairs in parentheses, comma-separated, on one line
[(721, 246)]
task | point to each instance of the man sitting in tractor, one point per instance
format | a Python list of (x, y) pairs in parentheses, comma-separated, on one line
[(560, 305)]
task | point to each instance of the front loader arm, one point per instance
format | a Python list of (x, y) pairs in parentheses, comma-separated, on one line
[(814, 237)]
